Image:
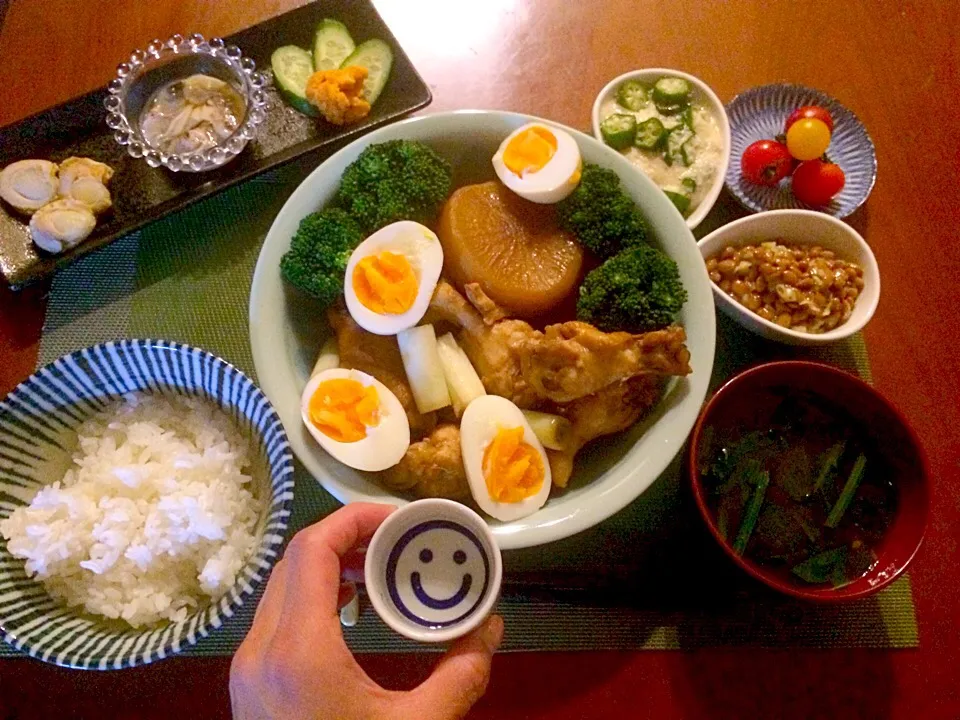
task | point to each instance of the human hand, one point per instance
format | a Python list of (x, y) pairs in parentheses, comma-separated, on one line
[(294, 662)]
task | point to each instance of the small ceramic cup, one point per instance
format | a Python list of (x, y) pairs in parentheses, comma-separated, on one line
[(433, 570)]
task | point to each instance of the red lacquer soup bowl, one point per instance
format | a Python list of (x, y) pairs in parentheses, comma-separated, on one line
[(745, 403)]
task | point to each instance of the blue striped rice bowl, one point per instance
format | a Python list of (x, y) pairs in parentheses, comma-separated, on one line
[(43, 411), (760, 113)]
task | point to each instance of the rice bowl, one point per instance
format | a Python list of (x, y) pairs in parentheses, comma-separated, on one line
[(154, 517), (40, 424)]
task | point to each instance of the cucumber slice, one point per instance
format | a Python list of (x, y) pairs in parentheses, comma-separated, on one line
[(332, 45), (292, 67), (618, 130), (377, 57), (671, 91)]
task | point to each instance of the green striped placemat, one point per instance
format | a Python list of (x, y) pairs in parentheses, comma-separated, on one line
[(648, 578)]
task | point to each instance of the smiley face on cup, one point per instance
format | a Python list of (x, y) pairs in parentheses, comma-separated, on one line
[(433, 570), (437, 573)]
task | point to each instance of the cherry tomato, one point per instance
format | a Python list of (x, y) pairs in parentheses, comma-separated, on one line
[(810, 111), (816, 182), (808, 138), (766, 162)]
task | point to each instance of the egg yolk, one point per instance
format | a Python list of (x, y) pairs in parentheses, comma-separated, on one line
[(385, 283), (512, 468), (343, 409), (529, 151)]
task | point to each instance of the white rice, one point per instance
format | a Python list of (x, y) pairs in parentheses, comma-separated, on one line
[(154, 518)]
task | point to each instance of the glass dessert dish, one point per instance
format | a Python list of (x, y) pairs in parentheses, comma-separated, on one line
[(188, 104)]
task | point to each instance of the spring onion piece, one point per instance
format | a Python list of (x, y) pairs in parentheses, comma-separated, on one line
[(849, 490), (618, 130), (553, 431), (689, 183), (752, 512), (687, 117), (463, 383), (418, 350), (829, 464), (650, 134), (328, 358), (633, 95)]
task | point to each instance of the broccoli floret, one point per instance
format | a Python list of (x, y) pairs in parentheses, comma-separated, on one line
[(601, 215), (637, 290), (395, 180), (319, 252)]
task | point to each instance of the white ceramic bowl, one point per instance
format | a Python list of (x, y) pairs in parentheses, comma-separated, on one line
[(705, 95), (286, 331), (433, 570), (802, 227)]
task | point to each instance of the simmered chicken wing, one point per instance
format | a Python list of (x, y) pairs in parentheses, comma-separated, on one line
[(379, 356), (493, 349), (432, 467), (610, 410), (575, 359)]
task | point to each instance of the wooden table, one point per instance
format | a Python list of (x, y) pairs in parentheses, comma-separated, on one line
[(894, 64)]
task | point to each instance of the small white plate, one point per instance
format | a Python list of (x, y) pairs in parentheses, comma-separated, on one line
[(651, 75)]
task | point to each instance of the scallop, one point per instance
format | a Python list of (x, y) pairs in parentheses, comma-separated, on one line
[(61, 225), (91, 192), (28, 185), (78, 167), (86, 180)]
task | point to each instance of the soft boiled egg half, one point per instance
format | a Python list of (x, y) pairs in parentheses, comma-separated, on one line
[(539, 163), (391, 277), (356, 419), (507, 467)]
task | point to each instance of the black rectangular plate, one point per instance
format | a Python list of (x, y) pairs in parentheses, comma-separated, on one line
[(142, 194)]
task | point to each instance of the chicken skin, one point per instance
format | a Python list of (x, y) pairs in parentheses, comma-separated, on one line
[(494, 349), (574, 359), (565, 362), (612, 409)]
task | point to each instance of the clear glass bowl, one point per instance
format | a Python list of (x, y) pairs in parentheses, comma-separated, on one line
[(178, 57)]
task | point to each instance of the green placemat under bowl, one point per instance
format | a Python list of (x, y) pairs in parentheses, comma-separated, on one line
[(647, 578)]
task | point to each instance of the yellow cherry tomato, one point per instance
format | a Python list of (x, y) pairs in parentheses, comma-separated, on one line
[(808, 139)]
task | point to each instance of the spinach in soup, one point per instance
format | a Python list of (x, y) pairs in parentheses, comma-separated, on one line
[(806, 496)]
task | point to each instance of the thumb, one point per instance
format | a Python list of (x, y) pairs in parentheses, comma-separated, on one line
[(461, 677)]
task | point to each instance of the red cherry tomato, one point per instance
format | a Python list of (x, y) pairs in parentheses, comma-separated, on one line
[(809, 111), (766, 162), (816, 182)]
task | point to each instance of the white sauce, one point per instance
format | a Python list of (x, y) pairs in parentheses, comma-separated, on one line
[(704, 148)]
